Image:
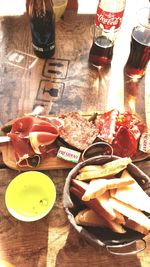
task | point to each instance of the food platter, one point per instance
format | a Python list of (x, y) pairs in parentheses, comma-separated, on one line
[(52, 161)]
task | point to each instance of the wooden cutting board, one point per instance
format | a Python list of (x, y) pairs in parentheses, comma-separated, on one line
[(49, 163), (46, 164)]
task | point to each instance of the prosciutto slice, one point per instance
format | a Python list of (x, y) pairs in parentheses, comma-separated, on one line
[(39, 140), (25, 156), (31, 138)]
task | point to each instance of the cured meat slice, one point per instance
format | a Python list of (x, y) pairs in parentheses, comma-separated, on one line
[(78, 132), (124, 143), (43, 126), (22, 126), (31, 136), (52, 150), (23, 151), (106, 124), (121, 130), (39, 140), (56, 122), (132, 122)]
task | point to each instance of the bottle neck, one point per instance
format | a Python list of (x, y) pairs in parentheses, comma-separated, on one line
[(109, 16), (39, 6), (112, 5)]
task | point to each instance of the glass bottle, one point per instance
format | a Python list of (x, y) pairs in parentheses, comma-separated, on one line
[(107, 24), (42, 25)]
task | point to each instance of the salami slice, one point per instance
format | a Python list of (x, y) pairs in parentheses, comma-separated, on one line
[(132, 122), (106, 124), (124, 143)]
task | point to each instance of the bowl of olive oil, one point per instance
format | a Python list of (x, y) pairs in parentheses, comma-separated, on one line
[(30, 196)]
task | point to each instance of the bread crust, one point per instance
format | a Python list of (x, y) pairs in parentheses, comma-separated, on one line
[(103, 171)]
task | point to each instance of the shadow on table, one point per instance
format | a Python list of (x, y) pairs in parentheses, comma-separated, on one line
[(78, 252)]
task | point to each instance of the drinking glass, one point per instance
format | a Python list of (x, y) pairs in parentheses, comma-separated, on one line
[(140, 45), (59, 7)]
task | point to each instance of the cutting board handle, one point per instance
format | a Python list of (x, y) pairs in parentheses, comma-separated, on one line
[(2, 148)]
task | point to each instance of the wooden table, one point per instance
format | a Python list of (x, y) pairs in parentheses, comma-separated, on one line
[(70, 85)]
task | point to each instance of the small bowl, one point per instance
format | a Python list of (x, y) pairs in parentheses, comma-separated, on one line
[(30, 196), (101, 236)]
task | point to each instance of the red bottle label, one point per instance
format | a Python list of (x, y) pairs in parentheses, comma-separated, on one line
[(108, 20)]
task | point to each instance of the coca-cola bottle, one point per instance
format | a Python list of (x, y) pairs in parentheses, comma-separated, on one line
[(42, 24), (107, 24)]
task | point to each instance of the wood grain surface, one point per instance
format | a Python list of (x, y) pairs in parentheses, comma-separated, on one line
[(52, 241), (64, 83), (48, 163)]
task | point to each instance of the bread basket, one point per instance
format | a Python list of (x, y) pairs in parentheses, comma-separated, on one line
[(101, 236)]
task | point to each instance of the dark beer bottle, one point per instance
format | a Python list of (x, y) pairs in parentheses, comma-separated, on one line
[(42, 24)]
